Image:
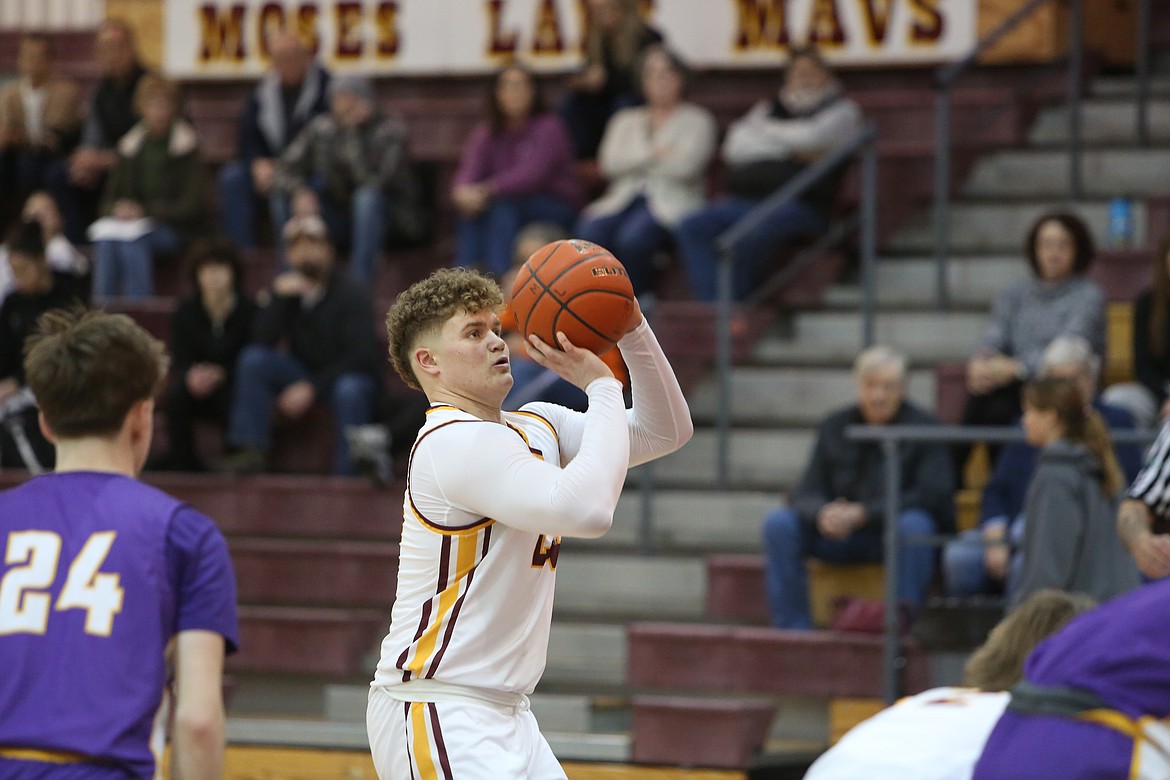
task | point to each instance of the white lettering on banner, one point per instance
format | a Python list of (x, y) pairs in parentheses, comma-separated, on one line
[(228, 38)]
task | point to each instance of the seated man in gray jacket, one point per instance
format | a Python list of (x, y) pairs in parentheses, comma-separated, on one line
[(837, 511), (779, 137)]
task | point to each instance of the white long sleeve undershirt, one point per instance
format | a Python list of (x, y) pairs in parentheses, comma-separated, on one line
[(487, 469)]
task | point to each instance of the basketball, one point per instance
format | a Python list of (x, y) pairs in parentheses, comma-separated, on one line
[(575, 287)]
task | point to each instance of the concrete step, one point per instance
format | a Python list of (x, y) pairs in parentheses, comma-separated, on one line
[(306, 732), (924, 335), (792, 396), (1133, 172), (1000, 227), (689, 520), (911, 281), (601, 748), (784, 350), (760, 459), (1126, 86), (351, 735), (1103, 120), (625, 586), (585, 654), (556, 712)]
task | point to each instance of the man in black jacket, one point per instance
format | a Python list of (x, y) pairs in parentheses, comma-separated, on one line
[(837, 511), (281, 105), (313, 341), (36, 289), (76, 183)]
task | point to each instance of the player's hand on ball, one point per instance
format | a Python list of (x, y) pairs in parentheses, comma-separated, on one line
[(573, 364)]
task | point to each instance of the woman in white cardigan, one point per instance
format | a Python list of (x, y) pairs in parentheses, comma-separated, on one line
[(655, 157)]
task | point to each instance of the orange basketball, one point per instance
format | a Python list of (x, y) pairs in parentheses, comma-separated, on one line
[(575, 287)]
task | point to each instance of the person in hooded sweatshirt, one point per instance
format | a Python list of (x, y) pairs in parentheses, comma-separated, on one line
[(1070, 542)]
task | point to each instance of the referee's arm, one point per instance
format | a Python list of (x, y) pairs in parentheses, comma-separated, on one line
[(1149, 493)]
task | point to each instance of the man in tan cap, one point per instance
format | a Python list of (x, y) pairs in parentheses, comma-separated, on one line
[(313, 342)]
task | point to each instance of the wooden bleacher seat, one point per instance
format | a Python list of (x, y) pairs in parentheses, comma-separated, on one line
[(307, 641), (1118, 344), (315, 572), (736, 590), (678, 657), (301, 507), (847, 711), (153, 314), (693, 731)]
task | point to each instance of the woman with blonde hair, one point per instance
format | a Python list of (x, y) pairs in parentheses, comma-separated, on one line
[(1070, 541), (939, 734), (615, 35)]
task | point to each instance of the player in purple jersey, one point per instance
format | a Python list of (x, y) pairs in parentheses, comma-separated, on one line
[(102, 577), (1095, 701)]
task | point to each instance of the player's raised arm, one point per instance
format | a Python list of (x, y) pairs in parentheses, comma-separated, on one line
[(494, 474), (660, 420)]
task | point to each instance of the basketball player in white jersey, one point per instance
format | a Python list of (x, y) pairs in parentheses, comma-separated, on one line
[(489, 496)]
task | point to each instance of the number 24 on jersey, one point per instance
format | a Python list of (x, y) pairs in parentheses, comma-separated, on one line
[(33, 558)]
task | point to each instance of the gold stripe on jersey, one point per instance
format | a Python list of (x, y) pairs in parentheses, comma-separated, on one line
[(544, 420), (443, 408), (421, 743), (45, 756), (467, 553)]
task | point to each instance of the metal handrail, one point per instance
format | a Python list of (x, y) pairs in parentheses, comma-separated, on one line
[(945, 78), (864, 141), (889, 437)]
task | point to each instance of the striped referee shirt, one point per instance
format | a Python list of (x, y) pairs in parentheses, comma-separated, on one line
[(1152, 485)]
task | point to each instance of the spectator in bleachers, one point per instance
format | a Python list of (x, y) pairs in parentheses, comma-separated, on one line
[(837, 510), (313, 342), (1146, 398), (37, 288), (154, 200), (354, 160), (209, 330), (1070, 540), (60, 254), (939, 734), (77, 183), (517, 167), (1094, 702), (777, 139), (614, 37), (282, 104), (655, 157), (40, 123), (979, 561), (1059, 301)]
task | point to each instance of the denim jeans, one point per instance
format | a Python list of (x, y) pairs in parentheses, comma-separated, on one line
[(237, 204), (126, 268), (360, 223), (263, 372), (788, 542), (633, 235), (963, 569), (487, 240), (697, 233)]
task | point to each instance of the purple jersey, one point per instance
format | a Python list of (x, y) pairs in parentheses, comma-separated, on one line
[(99, 572), (1119, 652)]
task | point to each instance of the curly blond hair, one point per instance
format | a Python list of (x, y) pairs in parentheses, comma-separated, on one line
[(424, 307)]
